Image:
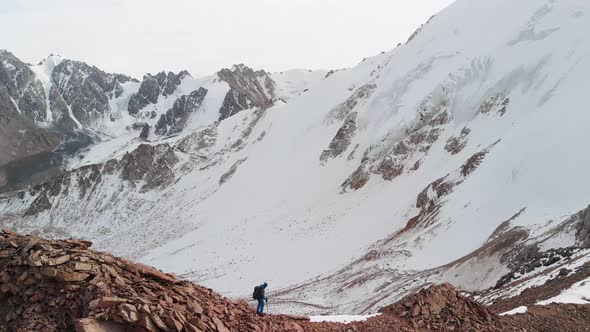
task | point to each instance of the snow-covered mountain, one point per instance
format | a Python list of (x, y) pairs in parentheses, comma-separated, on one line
[(455, 157)]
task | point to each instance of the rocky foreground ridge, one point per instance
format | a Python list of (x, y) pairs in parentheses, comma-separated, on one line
[(64, 286)]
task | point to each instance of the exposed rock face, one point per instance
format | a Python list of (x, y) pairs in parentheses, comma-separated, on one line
[(230, 172), (429, 200), (341, 111), (152, 87), (175, 118), (172, 81), (358, 178), (26, 92), (85, 89), (584, 231), (150, 163), (145, 132), (148, 166), (248, 89), (342, 140), (456, 144), (405, 153), (197, 141), (148, 93), (497, 103), (435, 308), (234, 102), (530, 258), (74, 85)]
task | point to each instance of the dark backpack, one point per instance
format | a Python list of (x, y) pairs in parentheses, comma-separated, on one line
[(256, 293)]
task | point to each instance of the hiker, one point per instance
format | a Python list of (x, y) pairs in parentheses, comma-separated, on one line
[(259, 296)]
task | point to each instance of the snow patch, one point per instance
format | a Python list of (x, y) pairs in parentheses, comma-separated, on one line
[(578, 293), (519, 310), (342, 318)]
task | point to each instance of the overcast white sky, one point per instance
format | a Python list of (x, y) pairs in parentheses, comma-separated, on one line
[(138, 36)]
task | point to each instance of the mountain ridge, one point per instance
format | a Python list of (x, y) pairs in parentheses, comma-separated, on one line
[(71, 105)]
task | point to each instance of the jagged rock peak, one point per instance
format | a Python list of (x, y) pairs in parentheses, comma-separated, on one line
[(153, 86), (51, 57), (240, 67), (174, 120), (6, 53), (248, 89)]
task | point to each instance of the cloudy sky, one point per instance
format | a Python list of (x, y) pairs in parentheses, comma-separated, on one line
[(138, 36)]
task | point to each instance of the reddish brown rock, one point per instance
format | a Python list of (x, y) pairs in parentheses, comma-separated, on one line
[(93, 325), (58, 260), (219, 325), (79, 266), (72, 276), (114, 294), (106, 302), (128, 312)]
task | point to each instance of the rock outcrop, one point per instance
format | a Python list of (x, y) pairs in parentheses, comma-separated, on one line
[(457, 144), (342, 140), (358, 97), (174, 120), (85, 90), (152, 87), (22, 90), (405, 154), (232, 170), (146, 168), (443, 308), (584, 231), (248, 89)]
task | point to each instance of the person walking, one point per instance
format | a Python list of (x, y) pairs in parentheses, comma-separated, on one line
[(259, 295)]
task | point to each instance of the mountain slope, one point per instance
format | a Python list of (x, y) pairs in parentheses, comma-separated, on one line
[(434, 161)]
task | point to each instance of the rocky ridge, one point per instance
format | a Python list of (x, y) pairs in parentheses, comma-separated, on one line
[(58, 107), (248, 89), (63, 285), (174, 120), (83, 91), (152, 87)]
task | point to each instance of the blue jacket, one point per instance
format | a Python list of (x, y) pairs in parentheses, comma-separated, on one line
[(261, 292)]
